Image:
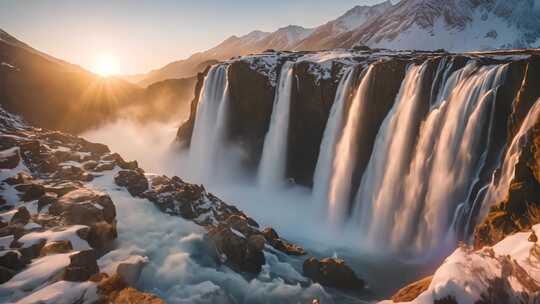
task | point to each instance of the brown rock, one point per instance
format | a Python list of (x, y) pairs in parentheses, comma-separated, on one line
[(6, 274), (20, 178), (82, 266), (63, 246), (280, 244), (10, 161), (412, 291), (13, 260), (332, 272), (135, 181), (30, 192), (131, 295), (22, 216)]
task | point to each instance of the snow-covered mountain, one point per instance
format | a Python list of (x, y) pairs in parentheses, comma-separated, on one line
[(323, 37), (454, 25), (255, 42)]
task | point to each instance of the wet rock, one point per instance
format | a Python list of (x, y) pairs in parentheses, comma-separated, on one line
[(73, 173), (104, 167), (280, 244), (90, 165), (22, 216), (332, 272), (132, 165), (236, 250), (64, 187), (30, 192), (132, 295), (12, 259), (114, 290), (20, 178), (46, 200), (82, 266), (95, 148), (130, 269), (9, 160), (93, 209), (6, 274), (520, 209), (29, 251), (135, 181), (412, 291), (55, 247)]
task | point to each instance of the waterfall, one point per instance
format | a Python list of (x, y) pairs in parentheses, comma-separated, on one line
[(408, 201), (272, 168), (210, 127), (498, 189), (346, 149), (324, 168)]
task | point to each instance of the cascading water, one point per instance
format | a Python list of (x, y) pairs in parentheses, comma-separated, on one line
[(272, 167), (210, 126), (334, 126), (409, 201), (379, 193), (346, 150), (497, 190)]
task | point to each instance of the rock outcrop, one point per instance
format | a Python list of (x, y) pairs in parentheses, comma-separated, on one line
[(521, 208), (234, 237), (332, 272)]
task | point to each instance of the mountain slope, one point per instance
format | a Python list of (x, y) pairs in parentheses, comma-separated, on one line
[(323, 36), (254, 42), (455, 25), (54, 94)]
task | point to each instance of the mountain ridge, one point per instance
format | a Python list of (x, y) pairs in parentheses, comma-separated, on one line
[(454, 25)]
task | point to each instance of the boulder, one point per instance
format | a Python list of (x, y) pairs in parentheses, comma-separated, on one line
[(20, 178), (104, 166), (236, 250), (30, 192), (132, 295), (280, 244), (82, 266), (132, 165), (93, 209), (130, 269), (13, 260), (332, 272), (29, 251), (135, 181), (55, 247), (412, 291), (9, 160), (73, 173), (22, 216), (6, 274), (48, 199), (94, 148)]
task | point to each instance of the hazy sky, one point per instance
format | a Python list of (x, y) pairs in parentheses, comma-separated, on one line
[(144, 35)]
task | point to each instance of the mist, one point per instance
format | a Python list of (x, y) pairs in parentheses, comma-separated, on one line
[(289, 209)]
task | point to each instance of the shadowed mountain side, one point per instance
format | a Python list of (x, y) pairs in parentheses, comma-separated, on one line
[(54, 94)]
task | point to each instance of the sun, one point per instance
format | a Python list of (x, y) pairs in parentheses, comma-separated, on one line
[(106, 66)]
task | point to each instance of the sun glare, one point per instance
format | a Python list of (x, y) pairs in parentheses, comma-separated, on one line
[(106, 66)]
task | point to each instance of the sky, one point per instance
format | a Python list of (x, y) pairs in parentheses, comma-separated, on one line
[(132, 37)]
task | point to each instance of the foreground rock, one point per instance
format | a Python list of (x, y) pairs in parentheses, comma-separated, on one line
[(412, 291), (235, 238), (521, 208), (508, 272), (53, 224), (332, 272)]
